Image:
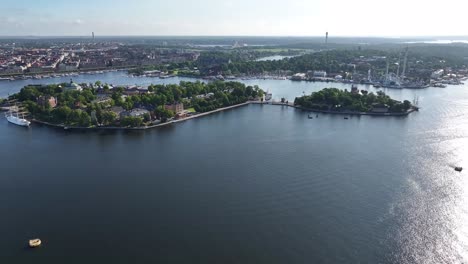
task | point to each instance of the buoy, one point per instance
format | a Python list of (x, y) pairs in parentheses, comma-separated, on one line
[(459, 169), (34, 242)]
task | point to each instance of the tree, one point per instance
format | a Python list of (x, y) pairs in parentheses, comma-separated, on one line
[(131, 121), (108, 117), (146, 117), (85, 119), (406, 105), (162, 113), (61, 113)]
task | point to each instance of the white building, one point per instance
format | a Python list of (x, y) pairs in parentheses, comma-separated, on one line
[(437, 74), (320, 74), (72, 86)]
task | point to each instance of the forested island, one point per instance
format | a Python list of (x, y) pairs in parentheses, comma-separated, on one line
[(334, 100), (104, 105)]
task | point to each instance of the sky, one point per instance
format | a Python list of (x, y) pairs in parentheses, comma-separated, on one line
[(391, 18)]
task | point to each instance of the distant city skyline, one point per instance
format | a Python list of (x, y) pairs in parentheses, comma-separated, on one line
[(398, 18)]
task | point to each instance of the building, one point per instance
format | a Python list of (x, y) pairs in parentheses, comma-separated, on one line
[(437, 74), (320, 74), (379, 108), (117, 110), (72, 86), (47, 100), (137, 112), (175, 107), (298, 77), (71, 66)]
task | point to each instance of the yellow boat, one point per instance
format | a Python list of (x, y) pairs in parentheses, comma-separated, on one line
[(34, 242)]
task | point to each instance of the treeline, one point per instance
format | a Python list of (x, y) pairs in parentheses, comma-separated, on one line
[(332, 61), (421, 62), (333, 99)]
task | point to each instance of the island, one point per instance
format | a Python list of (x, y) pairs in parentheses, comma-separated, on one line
[(336, 101), (99, 106)]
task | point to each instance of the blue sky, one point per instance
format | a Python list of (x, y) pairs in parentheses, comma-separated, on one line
[(241, 17)]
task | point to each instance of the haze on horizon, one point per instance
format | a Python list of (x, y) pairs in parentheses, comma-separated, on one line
[(397, 18)]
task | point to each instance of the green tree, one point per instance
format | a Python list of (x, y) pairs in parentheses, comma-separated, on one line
[(131, 121), (108, 118)]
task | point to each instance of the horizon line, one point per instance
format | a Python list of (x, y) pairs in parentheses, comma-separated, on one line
[(248, 36)]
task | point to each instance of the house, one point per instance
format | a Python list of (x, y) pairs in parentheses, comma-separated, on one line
[(47, 100), (137, 112), (175, 107)]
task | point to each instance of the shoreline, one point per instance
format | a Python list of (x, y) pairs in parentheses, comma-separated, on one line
[(220, 110), (356, 113), (64, 127), (413, 109)]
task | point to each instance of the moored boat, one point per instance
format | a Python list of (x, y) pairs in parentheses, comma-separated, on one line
[(35, 242), (14, 118)]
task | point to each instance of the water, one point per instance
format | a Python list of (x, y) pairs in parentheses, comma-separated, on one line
[(275, 57), (439, 41), (257, 184)]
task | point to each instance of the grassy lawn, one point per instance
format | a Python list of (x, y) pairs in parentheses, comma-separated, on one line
[(191, 110)]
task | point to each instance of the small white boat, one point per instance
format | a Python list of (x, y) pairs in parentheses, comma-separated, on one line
[(34, 242)]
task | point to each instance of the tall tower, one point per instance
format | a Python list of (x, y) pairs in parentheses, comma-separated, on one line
[(92, 35), (326, 48), (386, 71), (398, 69), (405, 61)]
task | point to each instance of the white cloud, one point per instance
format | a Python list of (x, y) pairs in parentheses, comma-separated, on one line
[(78, 22)]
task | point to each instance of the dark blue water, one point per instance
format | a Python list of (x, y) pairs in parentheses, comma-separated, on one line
[(257, 184)]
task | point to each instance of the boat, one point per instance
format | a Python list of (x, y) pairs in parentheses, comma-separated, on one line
[(16, 119), (310, 117), (459, 169), (346, 117), (33, 243)]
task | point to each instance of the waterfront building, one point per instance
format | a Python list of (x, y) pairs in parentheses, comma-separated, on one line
[(72, 86), (320, 74), (175, 107), (298, 77)]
